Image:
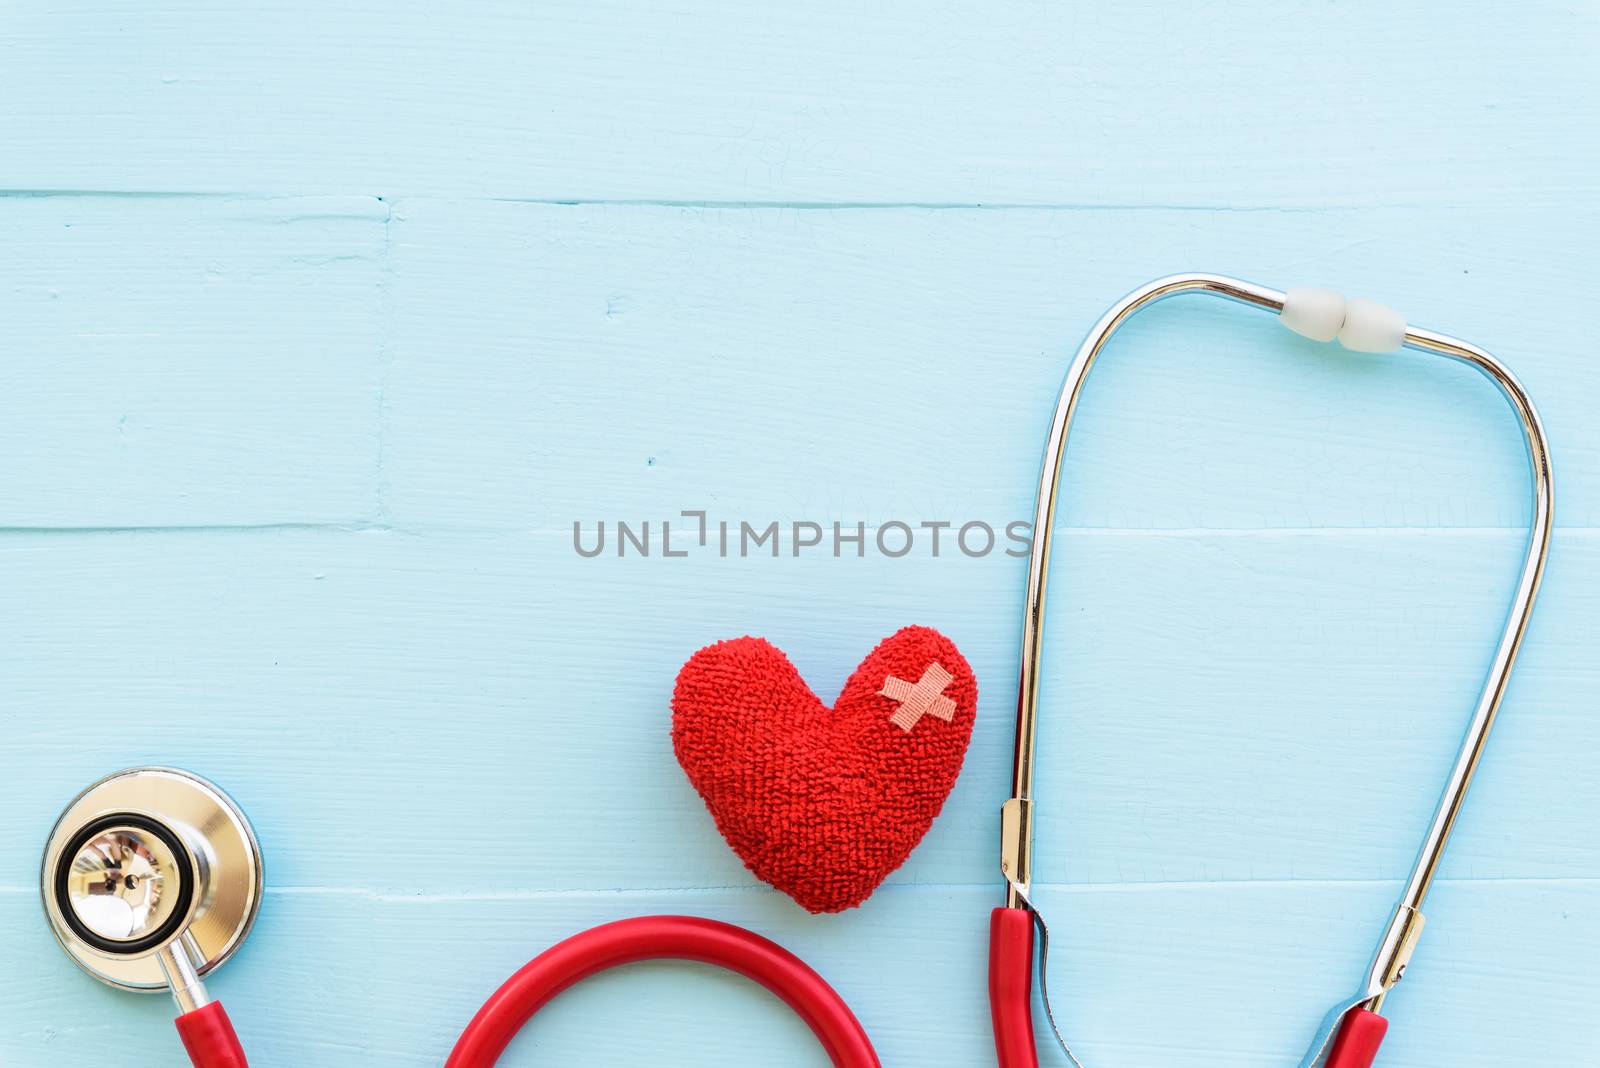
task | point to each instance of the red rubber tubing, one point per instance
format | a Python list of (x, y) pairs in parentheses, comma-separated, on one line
[(663, 938), (1358, 1040), (209, 1038), (1011, 987), (207, 1034)]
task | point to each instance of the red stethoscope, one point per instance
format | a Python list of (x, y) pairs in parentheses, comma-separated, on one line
[(152, 877), (686, 938)]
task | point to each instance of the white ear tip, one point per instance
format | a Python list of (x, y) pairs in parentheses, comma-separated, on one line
[(1372, 327), (1314, 313)]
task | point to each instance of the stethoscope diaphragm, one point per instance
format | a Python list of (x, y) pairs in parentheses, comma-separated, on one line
[(144, 859)]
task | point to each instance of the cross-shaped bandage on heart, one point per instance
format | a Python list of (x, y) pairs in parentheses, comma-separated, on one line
[(925, 697)]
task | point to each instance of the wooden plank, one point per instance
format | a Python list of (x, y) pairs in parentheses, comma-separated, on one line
[(174, 362), (1219, 707), (553, 364), (1259, 104), (1203, 975)]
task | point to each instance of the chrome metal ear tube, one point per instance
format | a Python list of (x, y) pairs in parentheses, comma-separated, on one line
[(177, 964), (1017, 824)]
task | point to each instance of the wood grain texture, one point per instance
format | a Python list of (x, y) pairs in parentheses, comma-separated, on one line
[(1245, 105), (933, 343), (175, 362), (324, 323)]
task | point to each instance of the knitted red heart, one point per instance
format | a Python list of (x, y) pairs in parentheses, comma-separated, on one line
[(824, 803)]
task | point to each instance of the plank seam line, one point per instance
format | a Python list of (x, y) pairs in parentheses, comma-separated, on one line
[(386, 360), (198, 528), (699, 203), (359, 526), (403, 897)]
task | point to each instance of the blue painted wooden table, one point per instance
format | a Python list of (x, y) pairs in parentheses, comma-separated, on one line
[(324, 323)]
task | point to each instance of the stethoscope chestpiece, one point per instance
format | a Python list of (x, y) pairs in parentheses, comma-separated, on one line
[(150, 872)]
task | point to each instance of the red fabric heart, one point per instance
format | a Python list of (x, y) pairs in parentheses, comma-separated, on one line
[(823, 803)]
